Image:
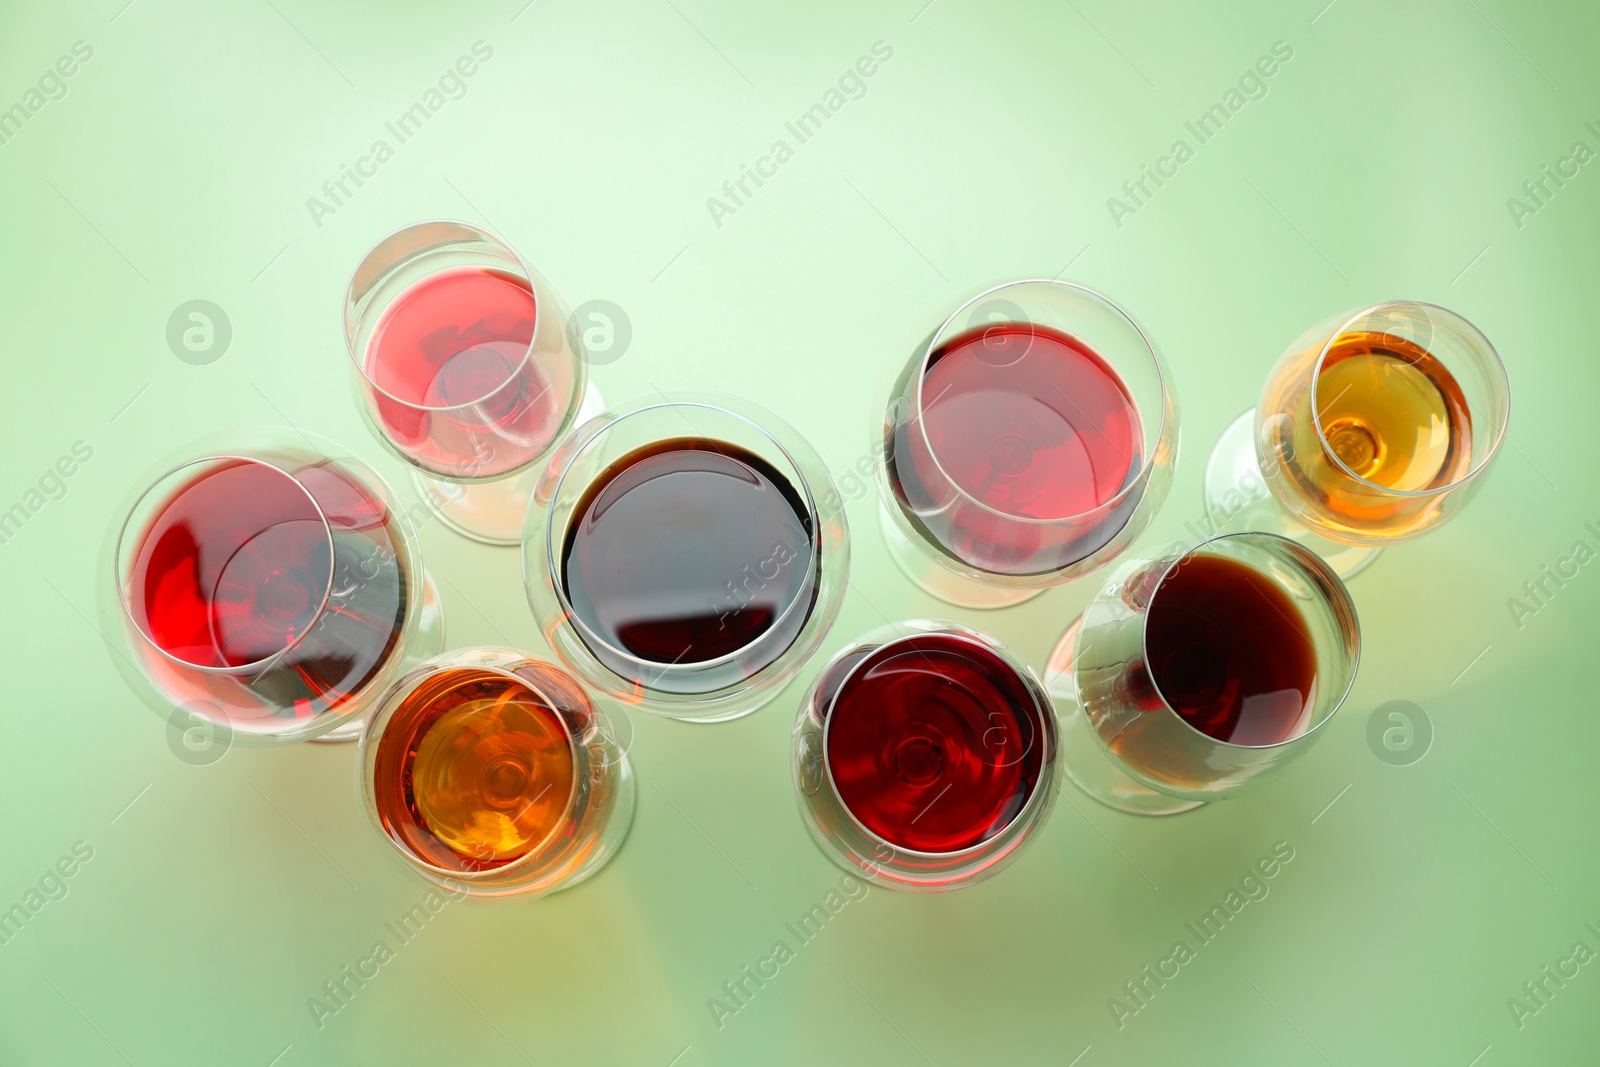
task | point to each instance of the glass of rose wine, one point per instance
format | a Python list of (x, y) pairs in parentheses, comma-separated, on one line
[(267, 588), (466, 367), (686, 563), (492, 775), (1375, 426), (924, 756), (1026, 442), (1193, 676)]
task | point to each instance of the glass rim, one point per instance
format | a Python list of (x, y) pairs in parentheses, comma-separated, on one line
[(1146, 468), (1494, 361), (971, 636), (265, 661), (586, 632), (397, 695), (512, 375), (1321, 568)]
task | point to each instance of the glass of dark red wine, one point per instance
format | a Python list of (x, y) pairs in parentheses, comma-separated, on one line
[(466, 368), (266, 587), (492, 774), (924, 756), (1026, 442), (685, 563), (1192, 677)]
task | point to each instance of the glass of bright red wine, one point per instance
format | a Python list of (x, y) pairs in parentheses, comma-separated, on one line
[(1192, 677), (686, 563), (493, 775), (267, 587), (924, 756), (1026, 443), (466, 368)]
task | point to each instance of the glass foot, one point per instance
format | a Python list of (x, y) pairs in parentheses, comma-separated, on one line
[(425, 642), (1083, 756), (934, 579), (1237, 499), (493, 513)]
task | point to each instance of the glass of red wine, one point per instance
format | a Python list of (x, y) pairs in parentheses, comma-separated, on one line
[(466, 367), (1026, 442), (687, 563), (492, 775), (267, 588), (924, 756), (1194, 676)]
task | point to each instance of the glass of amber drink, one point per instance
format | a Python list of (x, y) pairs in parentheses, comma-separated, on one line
[(491, 774), (1375, 426)]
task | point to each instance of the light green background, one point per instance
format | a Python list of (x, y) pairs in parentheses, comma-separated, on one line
[(177, 167)]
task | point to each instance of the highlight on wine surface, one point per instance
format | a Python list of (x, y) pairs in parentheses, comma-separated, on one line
[(1375, 426), (1025, 443), (492, 774), (268, 583), (464, 367), (924, 756), (686, 562), (1190, 677)]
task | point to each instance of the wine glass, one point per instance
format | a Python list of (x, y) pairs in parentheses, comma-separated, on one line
[(266, 586), (686, 562), (1026, 443), (467, 367), (492, 775), (924, 756), (1192, 676), (1375, 426)]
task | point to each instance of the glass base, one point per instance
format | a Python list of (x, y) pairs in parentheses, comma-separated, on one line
[(493, 513), (935, 580), (425, 642), (1083, 757), (1237, 498)]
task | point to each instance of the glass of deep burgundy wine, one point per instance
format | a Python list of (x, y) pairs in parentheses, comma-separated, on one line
[(1026, 442), (492, 775), (685, 564), (1194, 676), (1375, 426), (924, 756), (466, 368), (267, 587)]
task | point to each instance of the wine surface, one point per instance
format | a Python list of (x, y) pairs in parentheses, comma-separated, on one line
[(689, 550), (474, 770), (456, 341), (238, 570), (933, 741), (1021, 425), (1230, 652), (1392, 413)]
